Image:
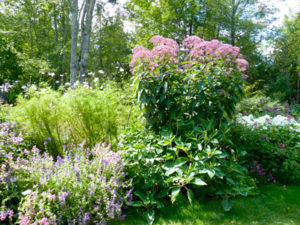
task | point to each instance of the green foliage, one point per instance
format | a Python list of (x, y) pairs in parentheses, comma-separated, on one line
[(69, 118), (206, 94), (285, 77), (257, 104), (274, 151), (164, 166), (113, 47)]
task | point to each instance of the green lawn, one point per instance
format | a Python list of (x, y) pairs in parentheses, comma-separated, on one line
[(273, 205)]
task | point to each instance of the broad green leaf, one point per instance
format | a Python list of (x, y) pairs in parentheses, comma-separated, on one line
[(136, 204), (174, 194), (210, 173), (190, 195), (198, 181)]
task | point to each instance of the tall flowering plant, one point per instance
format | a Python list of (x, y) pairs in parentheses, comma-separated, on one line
[(199, 80)]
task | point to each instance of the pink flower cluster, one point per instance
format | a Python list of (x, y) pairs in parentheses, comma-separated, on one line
[(159, 40), (196, 50), (191, 42)]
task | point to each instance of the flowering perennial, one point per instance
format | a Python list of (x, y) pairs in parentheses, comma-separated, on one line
[(85, 187), (195, 50)]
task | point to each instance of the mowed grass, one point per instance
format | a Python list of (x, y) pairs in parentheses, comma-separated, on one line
[(272, 206)]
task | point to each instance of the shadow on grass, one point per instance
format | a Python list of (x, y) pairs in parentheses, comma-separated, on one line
[(273, 206)]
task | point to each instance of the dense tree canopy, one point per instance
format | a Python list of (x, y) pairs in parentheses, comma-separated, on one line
[(75, 38)]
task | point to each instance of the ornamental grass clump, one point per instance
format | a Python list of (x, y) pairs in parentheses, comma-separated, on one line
[(58, 119), (84, 187), (200, 81)]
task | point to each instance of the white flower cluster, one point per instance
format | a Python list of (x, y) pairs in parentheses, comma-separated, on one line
[(266, 121)]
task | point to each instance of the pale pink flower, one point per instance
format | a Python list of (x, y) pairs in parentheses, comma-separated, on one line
[(141, 57), (138, 48), (191, 42), (51, 197), (242, 64), (163, 51), (157, 39)]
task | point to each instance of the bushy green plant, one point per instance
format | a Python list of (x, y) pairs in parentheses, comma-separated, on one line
[(163, 166), (85, 187), (204, 81), (56, 119), (257, 105), (273, 152)]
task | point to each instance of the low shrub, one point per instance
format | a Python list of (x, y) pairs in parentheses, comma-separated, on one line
[(163, 166), (56, 119), (260, 105), (272, 146), (85, 187)]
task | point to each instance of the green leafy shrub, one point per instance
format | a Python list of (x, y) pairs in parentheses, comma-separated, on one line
[(178, 91), (273, 153), (256, 105), (85, 187), (163, 166), (56, 119)]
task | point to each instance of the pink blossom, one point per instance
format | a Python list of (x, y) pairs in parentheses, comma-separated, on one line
[(171, 43), (141, 57), (26, 152), (242, 64), (160, 40), (51, 197), (163, 51), (44, 221), (191, 42), (10, 212), (24, 220), (3, 215), (138, 48), (156, 39), (281, 145)]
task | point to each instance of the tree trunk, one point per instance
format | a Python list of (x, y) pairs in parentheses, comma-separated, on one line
[(85, 36), (232, 27), (298, 86), (31, 40), (73, 59), (55, 28)]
